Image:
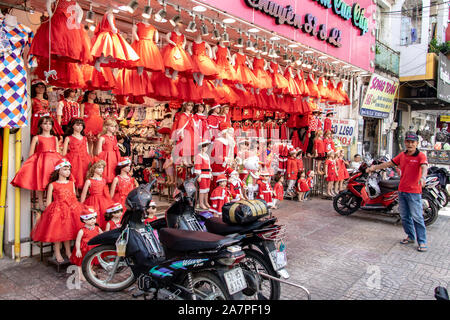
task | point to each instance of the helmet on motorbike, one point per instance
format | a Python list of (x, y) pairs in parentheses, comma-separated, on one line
[(139, 198)]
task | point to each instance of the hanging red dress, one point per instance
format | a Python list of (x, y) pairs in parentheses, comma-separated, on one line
[(323, 90), (68, 39), (301, 82), (174, 56), (292, 88), (263, 77), (278, 80), (123, 188), (40, 108), (68, 74), (95, 80), (185, 126), (84, 247), (225, 69), (113, 45), (92, 120), (243, 74), (334, 97), (341, 91), (111, 155), (130, 82), (312, 86), (164, 88), (99, 199), (60, 221), (146, 48), (36, 170), (79, 159), (202, 63), (188, 90)]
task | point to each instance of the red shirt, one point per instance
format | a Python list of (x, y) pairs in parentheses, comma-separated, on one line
[(411, 172)]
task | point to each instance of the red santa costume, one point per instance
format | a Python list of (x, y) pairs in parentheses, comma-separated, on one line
[(213, 123), (265, 190), (236, 187), (185, 134), (202, 168), (219, 197), (221, 153), (291, 171)]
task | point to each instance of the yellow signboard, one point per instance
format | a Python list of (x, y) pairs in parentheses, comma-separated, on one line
[(444, 118), (379, 97)]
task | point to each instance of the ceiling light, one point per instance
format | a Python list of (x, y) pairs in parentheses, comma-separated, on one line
[(264, 50), (249, 45), (322, 57), (90, 16), (199, 9), (229, 20), (92, 27), (272, 53), (225, 36), (240, 43), (132, 6), (160, 15), (274, 38), (345, 67), (253, 30), (192, 27), (293, 45), (204, 30), (146, 14), (309, 51), (216, 34), (335, 62), (175, 20)]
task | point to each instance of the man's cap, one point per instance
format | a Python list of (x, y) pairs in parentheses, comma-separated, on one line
[(411, 136)]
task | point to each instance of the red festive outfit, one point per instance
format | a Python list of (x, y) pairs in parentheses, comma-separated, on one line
[(111, 155), (327, 124), (202, 62), (113, 225), (332, 170), (342, 170), (319, 146), (225, 70), (292, 168), (218, 198), (40, 108), (36, 170), (123, 188), (279, 191), (92, 119), (202, 167), (220, 151), (99, 199), (265, 191), (79, 159), (68, 110), (302, 185), (236, 188), (146, 48), (329, 145), (278, 80), (185, 128), (84, 247), (243, 74), (175, 57), (60, 221), (263, 77)]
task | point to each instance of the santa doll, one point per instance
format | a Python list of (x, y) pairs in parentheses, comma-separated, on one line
[(222, 154), (236, 187), (265, 190), (219, 196), (202, 169)]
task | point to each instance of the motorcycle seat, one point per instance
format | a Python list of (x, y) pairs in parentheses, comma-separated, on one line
[(186, 240), (217, 226), (389, 184)]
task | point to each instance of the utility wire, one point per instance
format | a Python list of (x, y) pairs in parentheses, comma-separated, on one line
[(415, 8)]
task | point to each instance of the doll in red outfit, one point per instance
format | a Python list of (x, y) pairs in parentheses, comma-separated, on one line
[(319, 150), (302, 187), (113, 216), (265, 190), (342, 171), (310, 181), (291, 172), (202, 168), (123, 183), (108, 150), (219, 196), (328, 142), (278, 191), (236, 187), (331, 173), (89, 218), (299, 159)]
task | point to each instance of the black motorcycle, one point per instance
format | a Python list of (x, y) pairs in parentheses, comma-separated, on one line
[(167, 263), (443, 177), (262, 240)]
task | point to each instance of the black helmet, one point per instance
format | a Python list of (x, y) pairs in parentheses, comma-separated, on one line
[(139, 198)]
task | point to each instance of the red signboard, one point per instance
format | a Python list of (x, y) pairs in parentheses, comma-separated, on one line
[(340, 28)]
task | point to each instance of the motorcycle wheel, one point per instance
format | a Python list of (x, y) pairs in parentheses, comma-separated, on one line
[(430, 210), (346, 203), (207, 286), (98, 265), (444, 194), (269, 289)]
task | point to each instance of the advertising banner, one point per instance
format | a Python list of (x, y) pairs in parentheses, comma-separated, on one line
[(443, 83), (344, 130), (379, 97)]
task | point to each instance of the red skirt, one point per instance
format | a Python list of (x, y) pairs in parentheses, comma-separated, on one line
[(176, 58), (113, 45), (205, 183), (99, 203), (150, 56)]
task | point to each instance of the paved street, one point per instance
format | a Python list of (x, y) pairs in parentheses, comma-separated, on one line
[(335, 257)]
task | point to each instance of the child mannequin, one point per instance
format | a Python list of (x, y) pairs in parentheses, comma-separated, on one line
[(99, 197), (342, 171), (236, 187), (319, 150), (331, 173), (67, 108), (202, 167), (278, 191), (310, 182), (328, 142), (122, 184), (89, 218), (219, 196), (214, 118), (76, 150), (202, 60), (151, 212), (113, 216), (201, 129), (174, 55), (42, 159), (292, 172), (169, 168), (60, 220), (265, 190), (302, 186), (107, 148), (90, 112), (165, 128)]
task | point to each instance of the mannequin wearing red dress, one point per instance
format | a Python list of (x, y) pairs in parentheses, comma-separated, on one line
[(203, 65), (146, 37), (90, 112), (303, 187), (76, 151), (174, 55), (292, 89), (244, 76), (60, 221), (201, 129), (214, 121), (278, 80), (110, 48), (222, 58), (259, 69), (184, 133), (108, 150), (114, 216), (68, 108), (265, 190), (202, 167), (123, 183)]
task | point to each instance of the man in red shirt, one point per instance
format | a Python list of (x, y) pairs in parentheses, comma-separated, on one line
[(413, 165)]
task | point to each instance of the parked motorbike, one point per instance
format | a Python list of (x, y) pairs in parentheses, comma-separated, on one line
[(362, 193), (443, 177), (263, 240), (169, 264)]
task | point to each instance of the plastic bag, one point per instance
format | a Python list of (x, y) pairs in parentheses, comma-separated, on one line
[(244, 211)]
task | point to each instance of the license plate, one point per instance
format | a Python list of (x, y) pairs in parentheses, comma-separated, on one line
[(235, 280), (277, 256)]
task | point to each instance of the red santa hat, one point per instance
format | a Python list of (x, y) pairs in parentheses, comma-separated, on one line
[(216, 106), (114, 207), (220, 178), (223, 127), (36, 81), (88, 213), (124, 161), (152, 204), (265, 173), (204, 142), (62, 163)]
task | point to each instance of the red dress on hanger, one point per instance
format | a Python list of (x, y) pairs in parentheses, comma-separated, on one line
[(111, 155), (99, 199), (79, 159), (175, 57), (123, 188), (146, 48), (92, 120), (301, 82), (36, 170), (129, 82), (60, 221), (110, 44), (225, 69), (164, 88), (323, 90), (243, 74), (312, 86), (185, 126), (263, 77), (341, 91), (68, 40), (84, 247), (278, 80), (68, 74), (40, 108), (95, 80), (202, 62), (292, 88)]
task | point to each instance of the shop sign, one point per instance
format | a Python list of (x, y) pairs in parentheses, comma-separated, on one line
[(379, 97), (438, 156), (344, 130), (443, 83), (444, 118)]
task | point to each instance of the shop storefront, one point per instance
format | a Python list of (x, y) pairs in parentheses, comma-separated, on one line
[(309, 55)]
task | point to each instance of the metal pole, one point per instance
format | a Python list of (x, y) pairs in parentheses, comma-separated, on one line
[(4, 181), (18, 146)]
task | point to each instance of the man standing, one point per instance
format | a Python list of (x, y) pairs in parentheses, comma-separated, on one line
[(413, 165)]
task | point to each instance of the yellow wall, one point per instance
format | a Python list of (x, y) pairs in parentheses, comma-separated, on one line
[(431, 71)]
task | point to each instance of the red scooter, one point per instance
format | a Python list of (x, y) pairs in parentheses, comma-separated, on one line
[(360, 194)]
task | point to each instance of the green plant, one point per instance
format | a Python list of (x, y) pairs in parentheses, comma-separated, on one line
[(436, 47)]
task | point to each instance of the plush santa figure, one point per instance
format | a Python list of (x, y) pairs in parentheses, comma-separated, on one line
[(265, 190), (236, 187), (219, 196), (222, 153)]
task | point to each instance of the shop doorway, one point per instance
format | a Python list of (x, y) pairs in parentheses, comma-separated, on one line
[(371, 140)]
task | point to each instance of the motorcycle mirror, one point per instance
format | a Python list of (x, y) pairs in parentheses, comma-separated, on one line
[(441, 293), (150, 185)]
